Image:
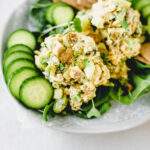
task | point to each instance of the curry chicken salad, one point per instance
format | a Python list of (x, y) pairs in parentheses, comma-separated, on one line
[(74, 67), (77, 63), (81, 56)]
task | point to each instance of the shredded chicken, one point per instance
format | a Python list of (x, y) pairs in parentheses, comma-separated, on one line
[(67, 56), (73, 62)]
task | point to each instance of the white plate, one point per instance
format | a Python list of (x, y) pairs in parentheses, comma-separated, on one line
[(119, 118)]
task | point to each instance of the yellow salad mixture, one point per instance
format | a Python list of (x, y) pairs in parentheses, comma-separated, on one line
[(77, 63)]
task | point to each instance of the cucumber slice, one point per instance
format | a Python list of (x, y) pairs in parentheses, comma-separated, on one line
[(22, 37), (17, 79), (50, 9), (59, 13), (16, 55), (48, 14), (62, 14), (36, 92), (146, 11), (141, 4), (17, 64), (18, 47)]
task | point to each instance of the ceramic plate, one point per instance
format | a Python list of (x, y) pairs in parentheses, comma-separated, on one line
[(119, 117)]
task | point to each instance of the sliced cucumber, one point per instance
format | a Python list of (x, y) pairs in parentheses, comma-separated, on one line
[(16, 55), (18, 47), (17, 79), (22, 37), (36, 92), (50, 9), (141, 4), (62, 14), (48, 14), (17, 64), (146, 11)]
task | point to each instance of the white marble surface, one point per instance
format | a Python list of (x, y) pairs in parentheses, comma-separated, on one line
[(14, 137)]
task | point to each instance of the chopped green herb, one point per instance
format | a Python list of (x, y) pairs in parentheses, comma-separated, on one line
[(45, 45), (75, 98), (104, 56), (79, 94), (61, 67), (122, 14), (105, 59), (40, 39), (77, 25), (121, 17), (124, 24), (48, 69), (86, 61), (76, 53), (45, 61)]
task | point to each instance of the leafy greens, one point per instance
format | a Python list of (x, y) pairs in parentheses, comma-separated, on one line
[(77, 24), (93, 112), (142, 86), (37, 14)]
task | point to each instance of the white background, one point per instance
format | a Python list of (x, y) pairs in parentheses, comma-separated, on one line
[(14, 137)]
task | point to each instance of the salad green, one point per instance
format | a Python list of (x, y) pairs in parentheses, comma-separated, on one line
[(37, 14)]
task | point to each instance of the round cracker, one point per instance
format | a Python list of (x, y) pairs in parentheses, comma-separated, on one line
[(141, 59), (145, 51)]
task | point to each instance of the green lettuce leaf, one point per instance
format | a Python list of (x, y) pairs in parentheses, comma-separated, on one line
[(37, 14), (142, 86)]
